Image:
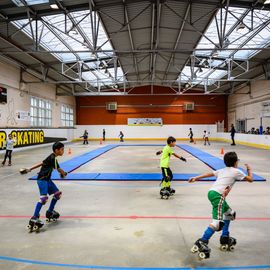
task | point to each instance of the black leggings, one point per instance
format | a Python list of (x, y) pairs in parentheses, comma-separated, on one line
[(166, 172), (8, 154)]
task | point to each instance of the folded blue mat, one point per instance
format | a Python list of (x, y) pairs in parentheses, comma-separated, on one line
[(214, 162), (76, 162)]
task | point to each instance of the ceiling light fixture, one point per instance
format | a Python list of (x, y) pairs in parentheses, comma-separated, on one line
[(226, 43), (187, 85), (215, 54), (53, 4), (206, 63), (240, 27), (73, 31)]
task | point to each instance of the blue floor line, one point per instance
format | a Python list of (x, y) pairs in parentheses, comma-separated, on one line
[(81, 266)]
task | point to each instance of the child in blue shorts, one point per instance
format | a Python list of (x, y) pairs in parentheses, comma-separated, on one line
[(46, 186)]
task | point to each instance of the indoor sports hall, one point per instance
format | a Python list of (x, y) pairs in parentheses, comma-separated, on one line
[(134, 134)]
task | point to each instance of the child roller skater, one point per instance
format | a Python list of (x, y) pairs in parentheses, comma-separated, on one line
[(167, 175), (121, 136), (9, 148), (206, 137), (190, 135), (85, 137), (221, 212), (47, 187)]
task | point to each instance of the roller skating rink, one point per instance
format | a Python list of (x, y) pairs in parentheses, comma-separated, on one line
[(112, 224)]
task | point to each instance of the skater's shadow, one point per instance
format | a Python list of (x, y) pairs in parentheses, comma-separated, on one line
[(52, 225)]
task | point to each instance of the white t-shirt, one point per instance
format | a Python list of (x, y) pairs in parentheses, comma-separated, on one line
[(10, 144), (226, 177)]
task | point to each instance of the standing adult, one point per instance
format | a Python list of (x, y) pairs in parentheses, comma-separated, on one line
[(233, 131), (190, 135), (103, 134)]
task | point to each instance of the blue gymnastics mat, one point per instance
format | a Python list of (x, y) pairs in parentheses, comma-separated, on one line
[(74, 163), (214, 162), (121, 177)]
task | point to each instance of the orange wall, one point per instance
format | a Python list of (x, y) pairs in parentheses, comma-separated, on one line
[(170, 115)]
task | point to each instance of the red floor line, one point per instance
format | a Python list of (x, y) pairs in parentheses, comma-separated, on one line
[(137, 217)]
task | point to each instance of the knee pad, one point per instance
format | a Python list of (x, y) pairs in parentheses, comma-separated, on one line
[(43, 199), (217, 225), (230, 215), (57, 195)]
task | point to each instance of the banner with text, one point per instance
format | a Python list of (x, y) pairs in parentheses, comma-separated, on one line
[(27, 137), (145, 122)]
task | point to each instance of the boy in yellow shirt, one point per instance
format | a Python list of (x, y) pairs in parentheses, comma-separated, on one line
[(167, 175)]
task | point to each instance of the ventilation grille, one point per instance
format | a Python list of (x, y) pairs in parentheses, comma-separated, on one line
[(111, 106), (189, 106)]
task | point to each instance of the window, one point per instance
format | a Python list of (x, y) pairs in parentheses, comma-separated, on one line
[(67, 116), (241, 126), (41, 112)]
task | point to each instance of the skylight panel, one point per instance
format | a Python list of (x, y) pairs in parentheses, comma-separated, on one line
[(30, 2), (201, 76), (254, 34), (72, 33), (103, 76), (242, 30)]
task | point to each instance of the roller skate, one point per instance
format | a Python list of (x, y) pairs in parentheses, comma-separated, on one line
[(52, 216), (165, 193), (34, 224), (201, 247), (227, 243), (172, 191)]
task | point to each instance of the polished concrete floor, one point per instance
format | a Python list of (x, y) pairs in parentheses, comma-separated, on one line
[(125, 224)]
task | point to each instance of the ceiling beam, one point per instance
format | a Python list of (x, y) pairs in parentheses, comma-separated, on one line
[(156, 38), (130, 38), (177, 39), (152, 36), (20, 49), (45, 10), (140, 51), (32, 71)]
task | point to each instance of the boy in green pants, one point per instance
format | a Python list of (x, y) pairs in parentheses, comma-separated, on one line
[(167, 175), (221, 212)]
